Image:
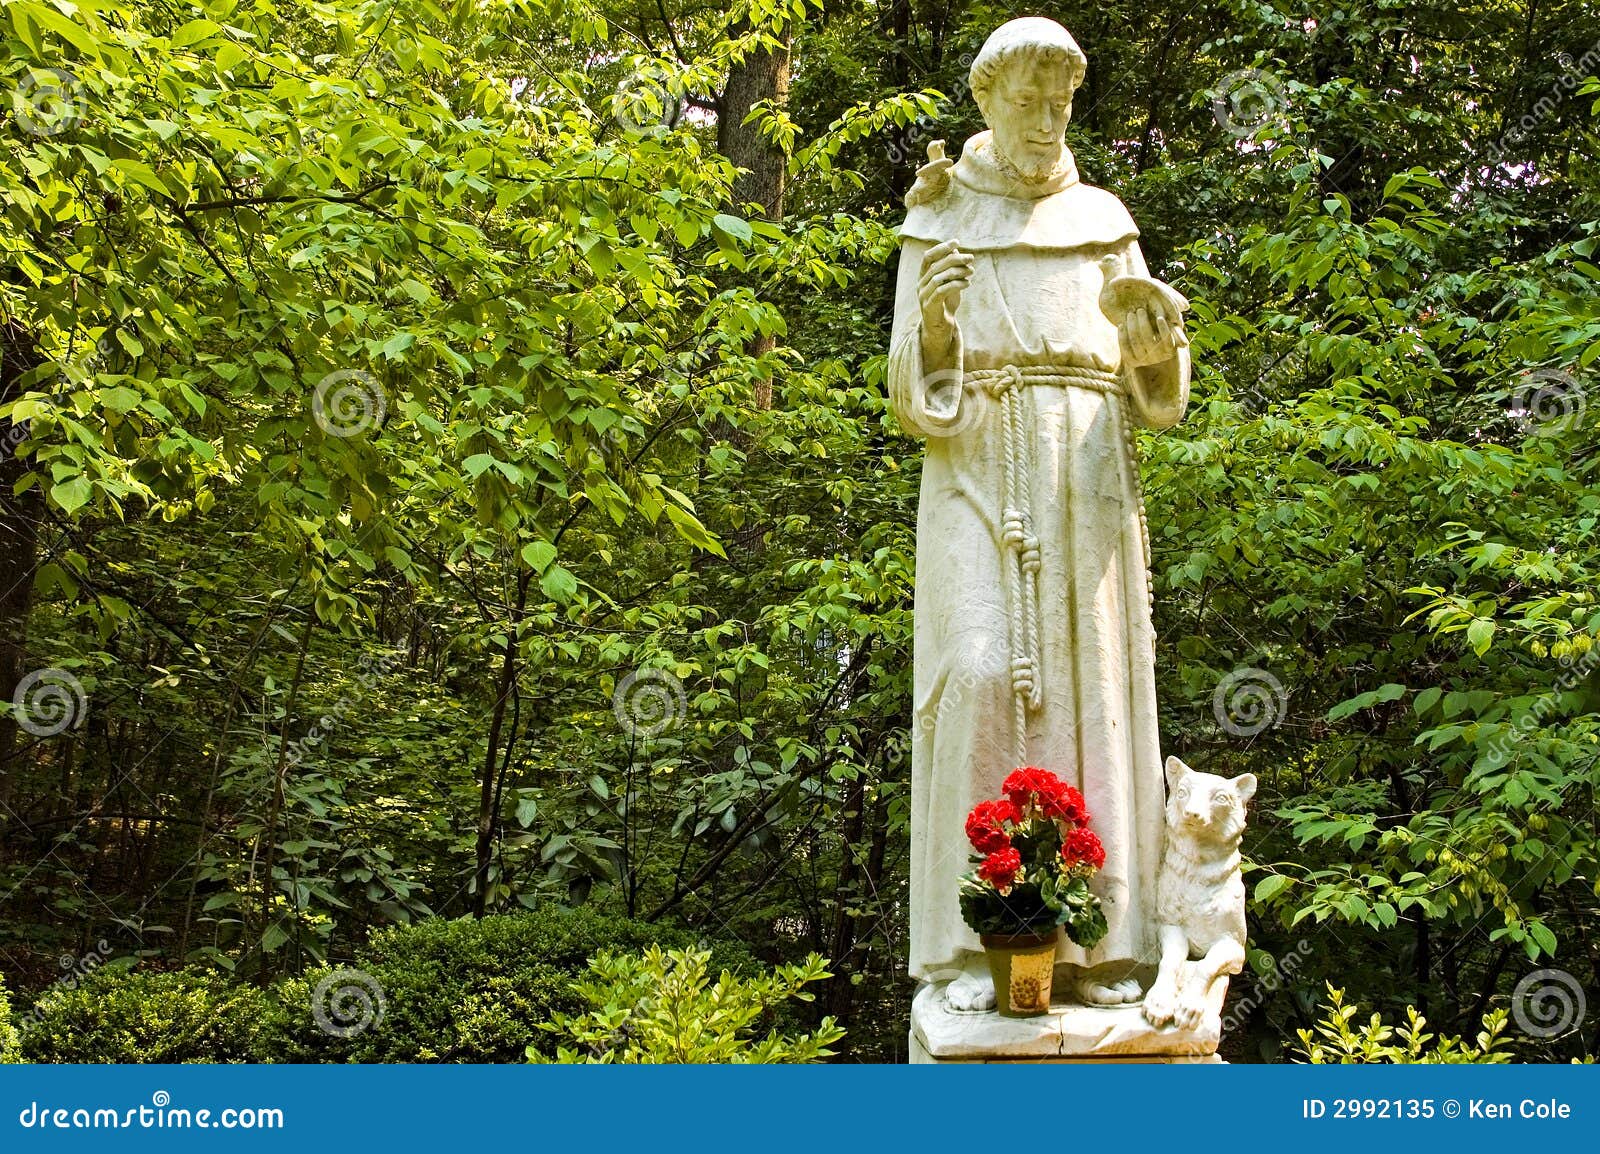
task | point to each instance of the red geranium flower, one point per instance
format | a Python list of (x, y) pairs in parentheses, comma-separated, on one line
[(1022, 784), (1082, 847), (1068, 805), (1054, 797), (1000, 869), (986, 825)]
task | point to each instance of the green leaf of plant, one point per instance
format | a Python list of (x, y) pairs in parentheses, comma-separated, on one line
[(733, 226), (72, 494), (1271, 886), (194, 32), (558, 584), (538, 555)]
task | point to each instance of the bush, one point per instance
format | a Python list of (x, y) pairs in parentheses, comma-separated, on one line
[(437, 991), (151, 1016), (10, 1047), (1334, 1041), (461, 991), (663, 1007)]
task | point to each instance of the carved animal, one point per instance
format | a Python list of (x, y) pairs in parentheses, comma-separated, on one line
[(1200, 894)]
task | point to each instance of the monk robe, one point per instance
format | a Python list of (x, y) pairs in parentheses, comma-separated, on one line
[(1033, 636)]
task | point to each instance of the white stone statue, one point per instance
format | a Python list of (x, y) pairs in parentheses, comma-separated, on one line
[(1028, 343), (1200, 898)]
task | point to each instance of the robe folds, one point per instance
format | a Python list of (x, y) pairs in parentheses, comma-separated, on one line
[(1032, 306)]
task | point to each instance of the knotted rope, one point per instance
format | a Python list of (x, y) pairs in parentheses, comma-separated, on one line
[(1017, 538), (994, 381)]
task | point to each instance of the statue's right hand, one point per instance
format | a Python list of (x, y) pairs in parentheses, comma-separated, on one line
[(946, 272)]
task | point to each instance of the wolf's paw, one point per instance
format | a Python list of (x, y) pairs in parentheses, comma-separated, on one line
[(1190, 1008), (970, 993), (1161, 1003)]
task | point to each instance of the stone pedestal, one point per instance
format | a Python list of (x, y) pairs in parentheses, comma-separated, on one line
[(1068, 1033)]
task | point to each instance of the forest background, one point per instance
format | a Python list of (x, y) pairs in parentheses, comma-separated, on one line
[(445, 474)]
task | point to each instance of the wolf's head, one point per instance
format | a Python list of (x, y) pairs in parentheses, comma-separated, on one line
[(1205, 807)]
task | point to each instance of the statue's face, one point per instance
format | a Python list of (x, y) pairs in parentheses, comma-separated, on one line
[(1027, 108)]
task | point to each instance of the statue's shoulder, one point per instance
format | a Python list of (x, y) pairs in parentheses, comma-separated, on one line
[(1101, 202), (1078, 216), (981, 202)]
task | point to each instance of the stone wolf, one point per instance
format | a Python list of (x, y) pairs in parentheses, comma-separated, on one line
[(1200, 895)]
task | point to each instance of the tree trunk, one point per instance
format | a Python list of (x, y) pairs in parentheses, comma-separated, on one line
[(280, 775), (488, 792), (846, 898), (761, 75), (20, 514)]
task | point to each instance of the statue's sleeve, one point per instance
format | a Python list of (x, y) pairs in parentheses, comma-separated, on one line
[(1159, 392), (925, 406)]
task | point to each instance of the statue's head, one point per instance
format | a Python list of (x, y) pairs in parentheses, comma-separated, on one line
[(1023, 79)]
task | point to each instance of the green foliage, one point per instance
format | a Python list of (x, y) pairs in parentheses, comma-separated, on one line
[(377, 377), (1335, 1040), (465, 990), (10, 1044), (664, 1007), (1057, 899), (151, 1016), (355, 235), (438, 991)]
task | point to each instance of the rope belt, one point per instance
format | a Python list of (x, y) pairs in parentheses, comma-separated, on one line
[(1017, 538), (999, 381)]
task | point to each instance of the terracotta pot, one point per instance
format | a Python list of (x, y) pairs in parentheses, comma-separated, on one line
[(1022, 966)]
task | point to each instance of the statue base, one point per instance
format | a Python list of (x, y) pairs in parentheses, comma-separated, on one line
[(1068, 1033)]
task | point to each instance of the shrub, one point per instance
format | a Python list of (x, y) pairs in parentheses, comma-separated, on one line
[(150, 1016), (437, 991), (10, 1048), (1334, 1040), (663, 1007), (461, 991)]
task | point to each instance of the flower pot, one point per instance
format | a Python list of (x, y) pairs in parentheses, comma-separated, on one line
[(1022, 966)]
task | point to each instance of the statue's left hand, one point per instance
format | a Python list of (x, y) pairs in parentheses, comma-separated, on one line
[(1149, 337), (1148, 314)]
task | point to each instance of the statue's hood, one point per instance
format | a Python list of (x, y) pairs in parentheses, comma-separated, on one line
[(986, 205)]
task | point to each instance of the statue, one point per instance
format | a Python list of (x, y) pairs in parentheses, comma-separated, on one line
[(1029, 341), (1200, 897)]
